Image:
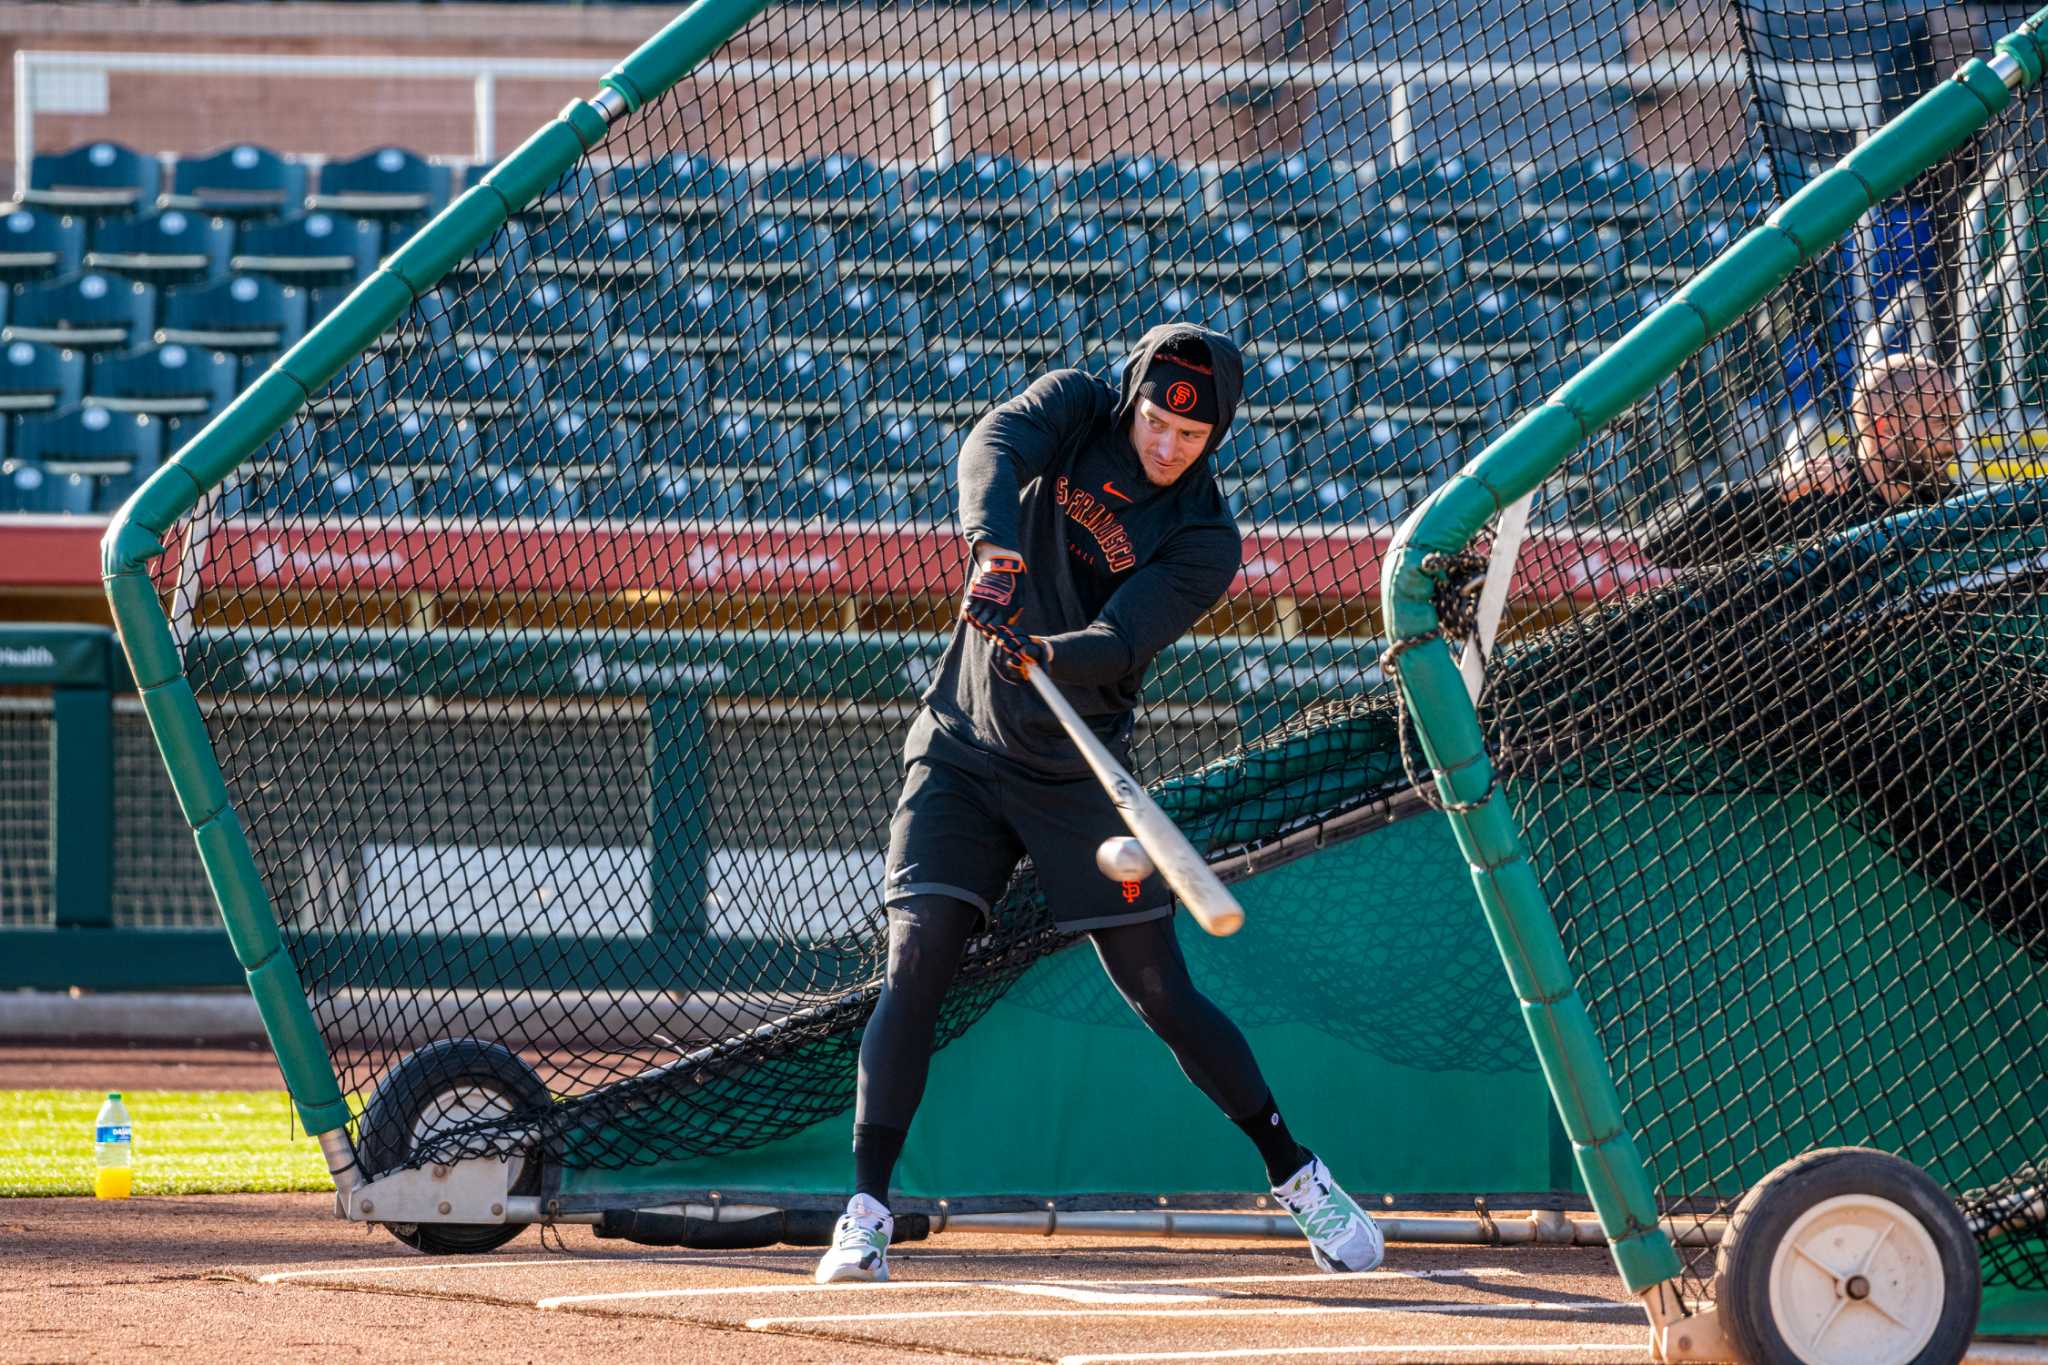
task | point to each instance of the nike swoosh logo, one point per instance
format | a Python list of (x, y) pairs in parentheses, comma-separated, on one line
[(1114, 491)]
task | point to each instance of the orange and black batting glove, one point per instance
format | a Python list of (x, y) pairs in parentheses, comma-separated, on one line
[(1012, 655), (995, 594)]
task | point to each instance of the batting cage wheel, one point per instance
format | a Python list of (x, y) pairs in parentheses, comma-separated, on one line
[(1848, 1256), (454, 1081)]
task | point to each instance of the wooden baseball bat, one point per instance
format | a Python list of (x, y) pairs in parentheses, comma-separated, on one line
[(1185, 870)]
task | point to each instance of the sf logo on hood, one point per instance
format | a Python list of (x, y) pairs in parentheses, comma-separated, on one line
[(1180, 395)]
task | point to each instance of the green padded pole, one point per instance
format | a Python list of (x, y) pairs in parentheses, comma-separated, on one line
[(1515, 465), (137, 533)]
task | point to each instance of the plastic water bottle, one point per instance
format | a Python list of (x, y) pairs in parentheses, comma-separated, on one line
[(113, 1146)]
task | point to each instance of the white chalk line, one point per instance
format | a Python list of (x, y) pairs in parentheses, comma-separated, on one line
[(1547, 1348), (1322, 1310), (699, 1259), (1092, 1282)]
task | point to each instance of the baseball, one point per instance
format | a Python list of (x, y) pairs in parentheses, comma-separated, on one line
[(1123, 859)]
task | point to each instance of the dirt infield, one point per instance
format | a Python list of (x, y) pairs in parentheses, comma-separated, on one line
[(263, 1277), (137, 1066)]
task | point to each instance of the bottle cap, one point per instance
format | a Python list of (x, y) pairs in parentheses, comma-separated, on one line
[(113, 1094)]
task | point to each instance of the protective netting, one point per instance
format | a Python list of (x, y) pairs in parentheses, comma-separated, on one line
[(25, 732), (558, 656)]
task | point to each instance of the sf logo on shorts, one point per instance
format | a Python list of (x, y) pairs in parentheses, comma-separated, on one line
[(1180, 395), (1131, 892)]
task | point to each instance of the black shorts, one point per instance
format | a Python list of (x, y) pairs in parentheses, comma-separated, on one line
[(967, 816)]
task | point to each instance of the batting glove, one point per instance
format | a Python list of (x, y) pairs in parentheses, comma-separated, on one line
[(1011, 655), (994, 596)]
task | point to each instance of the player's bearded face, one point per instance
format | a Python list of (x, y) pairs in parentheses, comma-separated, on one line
[(1916, 442), (1166, 445)]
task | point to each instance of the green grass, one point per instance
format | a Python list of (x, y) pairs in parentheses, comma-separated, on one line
[(186, 1142)]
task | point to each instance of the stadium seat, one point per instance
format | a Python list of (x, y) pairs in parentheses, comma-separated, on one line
[(1674, 251), (1256, 452), (1282, 388), (551, 316), (1436, 389), (1602, 189), (924, 248), (704, 315), (833, 186), (828, 497), (243, 181), (1434, 189), (99, 456), (414, 445), (856, 315), (39, 378), (235, 313), (667, 496), (1134, 187), (891, 444), (504, 495), (30, 486), (1378, 245), (630, 379), (308, 248), (1488, 320), (798, 382), (939, 383), (732, 440), (1562, 251), (389, 182), (164, 380), (884, 500), (568, 440), (982, 186), (85, 309), (675, 186), (36, 244), (1231, 250), (1067, 247), (1742, 193), (165, 246), (475, 381), (1015, 318), (1306, 501), (1288, 187), (350, 494), (1334, 318), (605, 248), (755, 245), (1127, 312), (97, 178), (935, 502)]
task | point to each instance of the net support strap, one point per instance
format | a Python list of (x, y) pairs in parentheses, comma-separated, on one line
[(1434, 687)]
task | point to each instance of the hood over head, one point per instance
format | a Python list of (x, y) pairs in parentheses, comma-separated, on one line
[(1217, 351)]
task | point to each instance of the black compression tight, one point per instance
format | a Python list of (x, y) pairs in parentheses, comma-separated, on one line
[(927, 939)]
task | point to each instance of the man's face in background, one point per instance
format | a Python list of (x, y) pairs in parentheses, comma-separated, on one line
[(1908, 429)]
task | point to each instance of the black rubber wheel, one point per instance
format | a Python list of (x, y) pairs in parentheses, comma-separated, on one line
[(1848, 1256), (456, 1078)]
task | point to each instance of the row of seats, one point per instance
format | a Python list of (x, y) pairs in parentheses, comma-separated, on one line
[(252, 180)]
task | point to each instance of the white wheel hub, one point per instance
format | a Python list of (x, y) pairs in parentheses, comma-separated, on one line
[(1856, 1281), (447, 1108)]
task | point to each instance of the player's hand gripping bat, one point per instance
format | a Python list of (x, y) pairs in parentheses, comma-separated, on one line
[(1213, 907)]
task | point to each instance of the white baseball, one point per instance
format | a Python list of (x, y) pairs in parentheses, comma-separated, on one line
[(1123, 859)]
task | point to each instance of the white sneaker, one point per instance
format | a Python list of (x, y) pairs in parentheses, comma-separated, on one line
[(1341, 1235), (860, 1244)]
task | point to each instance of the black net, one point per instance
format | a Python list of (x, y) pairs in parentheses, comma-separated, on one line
[(558, 656)]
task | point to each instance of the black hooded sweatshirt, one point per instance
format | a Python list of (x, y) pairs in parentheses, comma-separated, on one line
[(1117, 568)]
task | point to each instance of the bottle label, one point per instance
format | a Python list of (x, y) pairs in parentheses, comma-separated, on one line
[(113, 1132)]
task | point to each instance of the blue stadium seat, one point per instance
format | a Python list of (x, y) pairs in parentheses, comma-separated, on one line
[(1739, 192), (243, 181), (1439, 389), (983, 186), (351, 494), (942, 383), (935, 502), (39, 378), (1257, 452), (681, 184), (414, 445), (855, 315), (1492, 320), (1334, 318), (309, 248), (389, 182), (235, 313), (708, 315), (1435, 188), (1288, 187), (755, 245), (85, 309), (630, 379), (476, 381), (668, 496), (165, 246), (808, 497), (1134, 187), (1280, 387), (797, 382), (1234, 250), (1128, 312), (1069, 247), (893, 444), (103, 455), (96, 178), (25, 487), (1563, 251), (884, 500), (730, 440), (925, 247), (1602, 188), (1015, 318), (568, 439), (36, 244), (551, 316), (1306, 501), (505, 495), (607, 248), (1379, 245), (833, 186), (1674, 251), (165, 380)]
